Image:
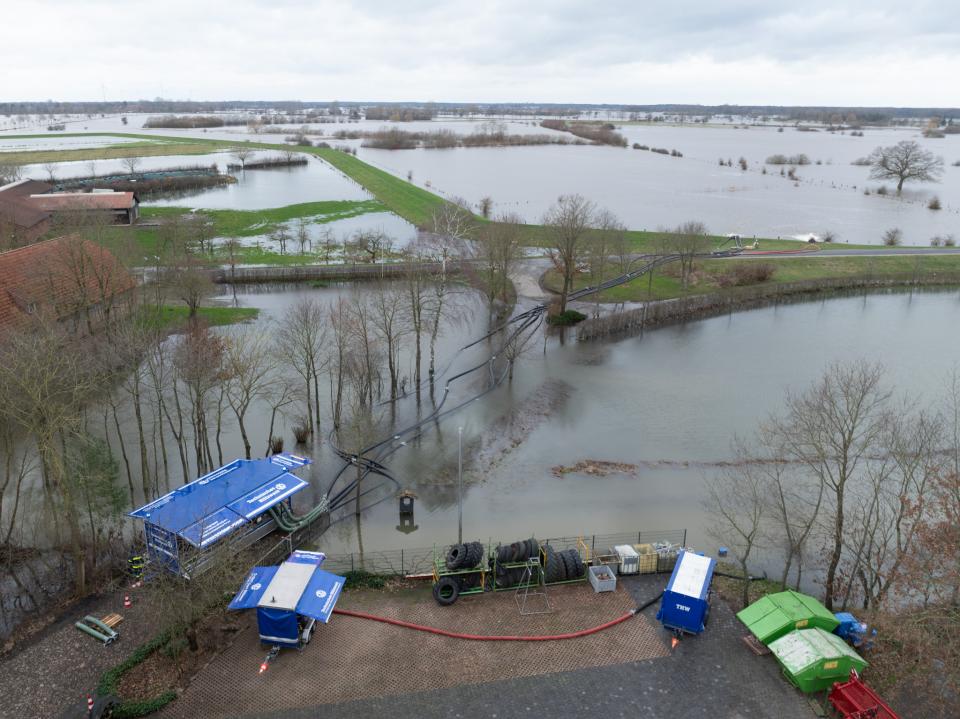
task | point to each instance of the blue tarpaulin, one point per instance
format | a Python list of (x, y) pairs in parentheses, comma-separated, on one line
[(280, 594), (253, 588), (320, 596), (212, 506)]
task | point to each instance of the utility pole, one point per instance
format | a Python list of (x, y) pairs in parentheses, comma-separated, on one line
[(459, 485)]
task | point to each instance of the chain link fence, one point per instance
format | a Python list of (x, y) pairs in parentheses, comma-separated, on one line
[(405, 562)]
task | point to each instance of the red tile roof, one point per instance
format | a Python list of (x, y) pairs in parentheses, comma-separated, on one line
[(25, 188), (58, 277), (20, 211), (83, 201)]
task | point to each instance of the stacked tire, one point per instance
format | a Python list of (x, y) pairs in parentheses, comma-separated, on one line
[(459, 557), (562, 565), (517, 551)]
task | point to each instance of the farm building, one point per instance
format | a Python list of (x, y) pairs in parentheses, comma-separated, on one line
[(22, 222), (124, 207), (67, 280)]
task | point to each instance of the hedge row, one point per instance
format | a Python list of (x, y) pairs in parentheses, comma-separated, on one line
[(111, 679)]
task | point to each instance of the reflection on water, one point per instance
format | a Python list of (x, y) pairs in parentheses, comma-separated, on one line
[(679, 394)]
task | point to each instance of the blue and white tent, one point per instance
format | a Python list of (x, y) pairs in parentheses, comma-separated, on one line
[(216, 505), (282, 595)]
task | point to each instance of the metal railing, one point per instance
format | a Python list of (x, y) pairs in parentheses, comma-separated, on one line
[(404, 562)]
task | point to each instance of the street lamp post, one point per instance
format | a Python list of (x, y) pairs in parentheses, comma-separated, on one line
[(459, 485)]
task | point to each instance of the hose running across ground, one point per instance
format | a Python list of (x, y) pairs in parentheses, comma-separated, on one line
[(501, 637), (487, 637)]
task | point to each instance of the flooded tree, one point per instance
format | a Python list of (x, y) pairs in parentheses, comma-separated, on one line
[(251, 375), (301, 341), (903, 162), (493, 256), (687, 240), (568, 223), (198, 358), (242, 154)]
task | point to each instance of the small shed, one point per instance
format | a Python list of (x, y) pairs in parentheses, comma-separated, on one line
[(775, 615), (685, 606), (813, 659)]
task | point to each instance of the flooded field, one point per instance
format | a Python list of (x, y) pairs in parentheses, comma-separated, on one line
[(650, 191), (670, 403)]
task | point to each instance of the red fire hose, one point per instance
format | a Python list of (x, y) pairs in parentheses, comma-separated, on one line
[(487, 637)]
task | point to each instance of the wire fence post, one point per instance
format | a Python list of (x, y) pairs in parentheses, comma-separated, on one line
[(684, 537), (401, 563)]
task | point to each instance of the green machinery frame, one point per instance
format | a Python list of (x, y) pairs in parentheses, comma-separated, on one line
[(489, 564)]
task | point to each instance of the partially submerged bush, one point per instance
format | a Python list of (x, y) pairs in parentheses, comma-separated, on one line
[(828, 236), (799, 159), (893, 237), (567, 318), (934, 203), (746, 272)]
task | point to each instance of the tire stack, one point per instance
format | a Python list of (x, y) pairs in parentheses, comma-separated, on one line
[(562, 565), (514, 553), (459, 557)]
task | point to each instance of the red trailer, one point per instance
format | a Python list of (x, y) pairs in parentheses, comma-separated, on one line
[(855, 700)]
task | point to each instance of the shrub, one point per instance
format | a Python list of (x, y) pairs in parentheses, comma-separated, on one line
[(361, 578), (882, 190), (934, 203), (792, 173), (936, 241), (748, 272), (892, 237), (799, 159), (276, 445), (301, 432), (566, 318), (743, 163), (828, 236), (676, 153), (111, 678), (949, 241), (956, 163)]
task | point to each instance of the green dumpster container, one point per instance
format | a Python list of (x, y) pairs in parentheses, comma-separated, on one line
[(775, 615), (813, 659)]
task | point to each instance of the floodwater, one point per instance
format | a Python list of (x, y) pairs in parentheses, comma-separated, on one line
[(648, 191), (670, 402), (56, 142), (254, 189)]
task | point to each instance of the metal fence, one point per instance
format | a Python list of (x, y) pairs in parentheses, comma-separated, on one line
[(404, 562)]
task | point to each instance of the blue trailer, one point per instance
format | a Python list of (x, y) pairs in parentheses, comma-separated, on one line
[(685, 606), (184, 527), (290, 599)]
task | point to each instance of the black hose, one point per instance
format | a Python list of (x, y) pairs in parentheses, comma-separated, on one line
[(748, 578), (646, 604)]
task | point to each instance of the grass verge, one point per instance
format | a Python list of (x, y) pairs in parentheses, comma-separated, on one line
[(707, 274)]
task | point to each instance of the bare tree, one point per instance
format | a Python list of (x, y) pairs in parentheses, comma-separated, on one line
[(568, 225), (391, 323), (906, 160), (301, 339), (486, 206), (250, 369), (494, 254), (303, 235), (281, 235), (51, 169), (132, 164), (242, 154), (10, 172), (736, 503), (832, 430), (198, 358), (688, 240)]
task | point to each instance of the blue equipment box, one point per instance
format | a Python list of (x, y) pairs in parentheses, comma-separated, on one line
[(686, 604)]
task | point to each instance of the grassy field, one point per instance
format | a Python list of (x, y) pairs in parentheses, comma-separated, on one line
[(707, 274), (173, 316), (109, 152), (247, 223)]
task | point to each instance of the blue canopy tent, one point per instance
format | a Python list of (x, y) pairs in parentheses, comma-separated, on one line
[(290, 599), (229, 501)]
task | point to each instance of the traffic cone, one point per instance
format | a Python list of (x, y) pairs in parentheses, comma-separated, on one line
[(674, 642), (126, 601), (89, 705)]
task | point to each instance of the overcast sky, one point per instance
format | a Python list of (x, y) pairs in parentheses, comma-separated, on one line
[(803, 52)]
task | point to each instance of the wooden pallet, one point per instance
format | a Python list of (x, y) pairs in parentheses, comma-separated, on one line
[(112, 620), (754, 645)]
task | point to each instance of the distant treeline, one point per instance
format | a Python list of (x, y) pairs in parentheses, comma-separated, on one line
[(602, 134), (395, 139), (383, 110), (399, 114)]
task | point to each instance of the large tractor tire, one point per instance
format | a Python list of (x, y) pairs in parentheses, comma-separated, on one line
[(446, 591)]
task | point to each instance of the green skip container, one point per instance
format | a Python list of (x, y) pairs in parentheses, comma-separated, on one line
[(813, 659), (776, 615)]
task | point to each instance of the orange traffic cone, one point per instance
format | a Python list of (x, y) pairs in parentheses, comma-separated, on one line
[(674, 642), (89, 705), (126, 601)]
